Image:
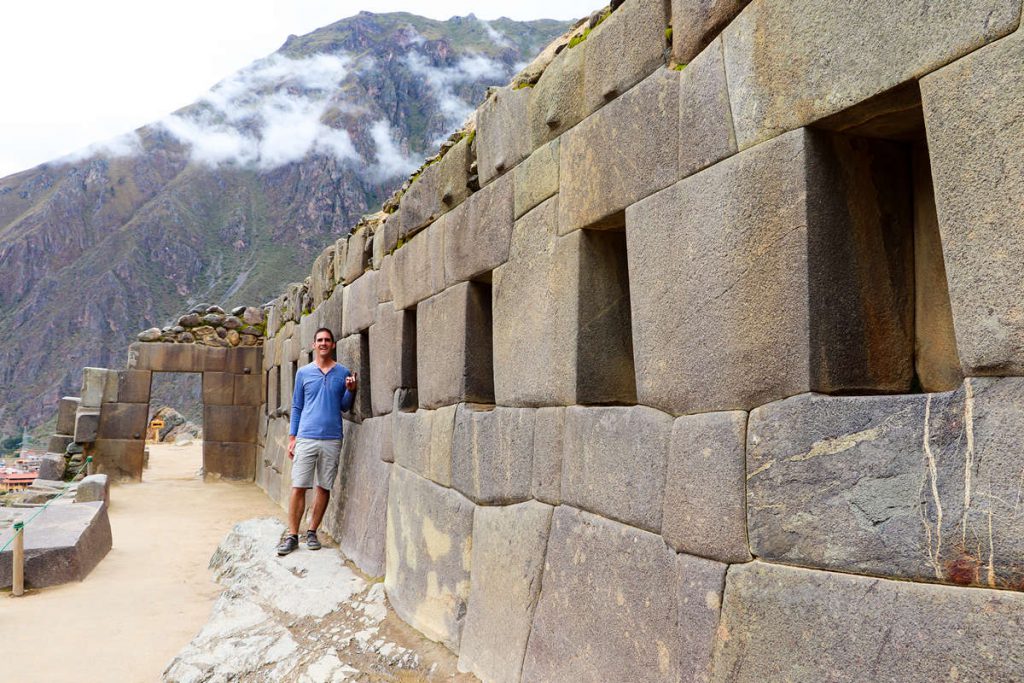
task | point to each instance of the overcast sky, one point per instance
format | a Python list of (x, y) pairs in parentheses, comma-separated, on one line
[(77, 72)]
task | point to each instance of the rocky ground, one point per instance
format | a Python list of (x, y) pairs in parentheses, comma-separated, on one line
[(308, 616)]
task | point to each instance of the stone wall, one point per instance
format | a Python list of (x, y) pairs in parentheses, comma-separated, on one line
[(697, 356)]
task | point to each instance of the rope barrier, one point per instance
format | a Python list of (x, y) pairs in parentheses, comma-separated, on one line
[(20, 526)]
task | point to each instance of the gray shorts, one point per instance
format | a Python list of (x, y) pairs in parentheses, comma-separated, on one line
[(319, 455)]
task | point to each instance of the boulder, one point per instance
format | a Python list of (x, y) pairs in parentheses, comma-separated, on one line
[(151, 335), (785, 623), (429, 555), (920, 487), (508, 560), (614, 462), (790, 64)]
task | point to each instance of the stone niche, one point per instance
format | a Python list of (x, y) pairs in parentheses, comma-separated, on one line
[(822, 243)]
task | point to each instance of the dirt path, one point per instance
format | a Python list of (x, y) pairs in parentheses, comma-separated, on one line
[(151, 593)]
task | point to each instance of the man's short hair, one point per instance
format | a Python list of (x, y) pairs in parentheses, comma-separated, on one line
[(323, 329)]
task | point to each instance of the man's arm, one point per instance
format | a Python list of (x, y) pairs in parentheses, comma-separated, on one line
[(349, 397), (298, 400)]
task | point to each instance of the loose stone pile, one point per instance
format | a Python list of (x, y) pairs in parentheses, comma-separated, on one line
[(211, 326)]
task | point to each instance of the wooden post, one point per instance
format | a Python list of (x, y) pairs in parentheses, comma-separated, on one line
[(18, 556)]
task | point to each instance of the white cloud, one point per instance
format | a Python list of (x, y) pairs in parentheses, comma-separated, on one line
[(268, 114), (494, 34), (442, 81), (390, 161), (126, 145)]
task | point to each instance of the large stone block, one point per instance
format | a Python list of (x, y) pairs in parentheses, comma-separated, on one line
[(58, 443), (218, 388), (419, 264), (623, 50), (535, 299), (502, 132), (87, 425), (243, 360), (794, 245), (972, 109), (66, 409), (429, 555), (270, 463), (133, 386), (614, 462), (492, 453), (355, 256), (362, 529), (442, 431), (608, 609), (249, 390), (793, 63), (340, 260), (225, 460), (536, 178), (123, 421), (923, 487), (287, 389), (308, 326), (509, 544), (548, 440), (620, 154), (413, 435), (99, 386), (701, 583), (556, 102), (321, 277), (64, 543), (360, 304), (478, 243), (331, 312), (783, 623), (230, 423), (695, 23), (167, 357), (576, 326), (392, 355), (441, 186), (354, 353), (453, 346), (705, 487), (119, 458), (706, 133)]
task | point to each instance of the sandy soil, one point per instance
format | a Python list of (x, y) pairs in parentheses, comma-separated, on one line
[(150, 594)]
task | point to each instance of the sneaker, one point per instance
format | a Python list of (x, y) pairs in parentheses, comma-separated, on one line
[(312, 542), (287, 545)]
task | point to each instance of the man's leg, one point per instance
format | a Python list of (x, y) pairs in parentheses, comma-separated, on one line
[(296, 507), (319, 507)]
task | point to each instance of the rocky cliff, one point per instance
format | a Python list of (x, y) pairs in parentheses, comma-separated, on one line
[(229, 198)]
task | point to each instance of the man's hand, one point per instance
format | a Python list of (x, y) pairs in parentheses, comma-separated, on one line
[(291, 447), (351, 382)]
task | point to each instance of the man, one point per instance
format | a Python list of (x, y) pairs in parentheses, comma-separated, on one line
[(323, 390)]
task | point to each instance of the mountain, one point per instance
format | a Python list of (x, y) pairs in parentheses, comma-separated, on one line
[(231, 197)]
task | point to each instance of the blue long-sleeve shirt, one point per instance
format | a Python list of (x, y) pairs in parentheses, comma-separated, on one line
[(318, 401)]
